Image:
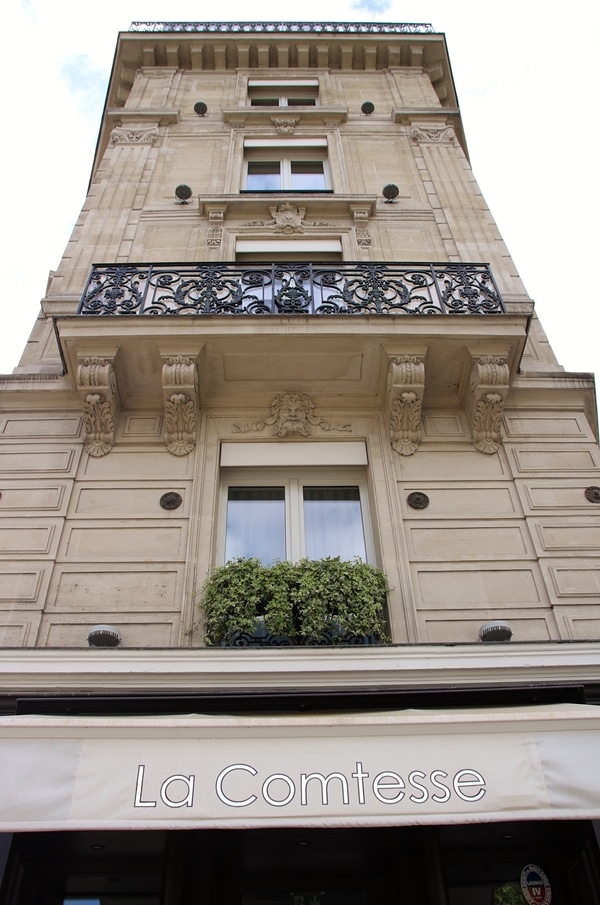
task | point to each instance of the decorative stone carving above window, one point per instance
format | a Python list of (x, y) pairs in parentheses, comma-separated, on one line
[(488, 390), (291, 413), (97, 385), (180, 390), (406, 386), (285, 124)]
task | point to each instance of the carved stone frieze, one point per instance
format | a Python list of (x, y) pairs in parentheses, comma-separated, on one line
[(291, 413), (285, 124), (97, 385), (406, 386), (180, 390), (439, 134), (123, 136), (488, 389)]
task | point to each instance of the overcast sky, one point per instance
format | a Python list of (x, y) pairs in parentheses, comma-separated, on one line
[(527, 86)]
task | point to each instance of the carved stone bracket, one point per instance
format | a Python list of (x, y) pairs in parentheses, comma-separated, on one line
[(291, 413), (97, 385), (487, 392), (361, 225), (438, 134), (216, 218), (406, 386), (180, 391)]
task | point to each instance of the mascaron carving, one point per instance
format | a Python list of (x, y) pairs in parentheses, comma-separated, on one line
[(180, 390), (291, 413), (100, 407), (406, 385), (488, 390)]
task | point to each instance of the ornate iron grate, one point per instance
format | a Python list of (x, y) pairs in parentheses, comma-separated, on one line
[(280, 288)]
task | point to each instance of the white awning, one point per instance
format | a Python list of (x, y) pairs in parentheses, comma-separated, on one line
[(336, 770)]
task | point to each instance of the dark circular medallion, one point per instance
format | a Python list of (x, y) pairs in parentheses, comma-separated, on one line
[(367, 108), (183, 192), (592, 494), (390, 192), (200, 108), (417, 500), (171, 500)]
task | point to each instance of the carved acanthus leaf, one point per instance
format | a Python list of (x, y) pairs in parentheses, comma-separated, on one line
[(405, 424), (487, 418), (433, 133), (122, 136), (180, 424), (98, 425)]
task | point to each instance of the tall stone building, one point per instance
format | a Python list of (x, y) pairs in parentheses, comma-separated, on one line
[(286, 326)]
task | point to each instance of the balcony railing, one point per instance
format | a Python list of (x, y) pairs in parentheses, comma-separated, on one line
[(280, 288)]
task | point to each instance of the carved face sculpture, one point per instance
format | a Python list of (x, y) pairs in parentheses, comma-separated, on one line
[(292, 410)]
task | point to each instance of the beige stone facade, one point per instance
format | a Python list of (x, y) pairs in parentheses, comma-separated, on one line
[(285, 282), (105, 414)]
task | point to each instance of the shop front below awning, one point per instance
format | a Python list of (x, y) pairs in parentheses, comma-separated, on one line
[(403, 768)]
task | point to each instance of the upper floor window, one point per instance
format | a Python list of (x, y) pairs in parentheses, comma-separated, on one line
[(268, 93), (293, 166)]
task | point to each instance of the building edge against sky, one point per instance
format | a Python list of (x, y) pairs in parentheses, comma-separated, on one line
[(285, 295)]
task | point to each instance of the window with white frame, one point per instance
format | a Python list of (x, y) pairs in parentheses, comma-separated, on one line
[(277, 514), (269, 93), (292, 166)]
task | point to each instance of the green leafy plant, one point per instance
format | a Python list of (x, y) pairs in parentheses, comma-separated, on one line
[(305, 602)]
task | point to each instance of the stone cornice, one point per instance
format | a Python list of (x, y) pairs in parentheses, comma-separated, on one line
[(336, 204), (252, 116), (295, 669), (160, 116)]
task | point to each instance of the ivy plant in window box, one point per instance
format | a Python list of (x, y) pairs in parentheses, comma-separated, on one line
[(325, 601)]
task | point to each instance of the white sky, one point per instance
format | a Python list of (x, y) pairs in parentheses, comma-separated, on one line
[(527, 86)]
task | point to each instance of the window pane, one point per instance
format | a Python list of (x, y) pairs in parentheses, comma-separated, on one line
[(307, 175), (333, 523), (301, 101), (263, 176), (264, 102), (255, 523)]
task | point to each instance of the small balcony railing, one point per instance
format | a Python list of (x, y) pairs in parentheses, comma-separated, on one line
[(281, 288)]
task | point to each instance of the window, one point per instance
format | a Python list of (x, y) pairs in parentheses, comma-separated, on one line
[(281, 165), (288, 517), (283, 94), (287, 174)]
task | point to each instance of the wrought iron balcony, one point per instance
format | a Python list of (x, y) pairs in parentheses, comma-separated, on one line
[(288, 289)]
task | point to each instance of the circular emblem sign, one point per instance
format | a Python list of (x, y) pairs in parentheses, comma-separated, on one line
[(535, 885)]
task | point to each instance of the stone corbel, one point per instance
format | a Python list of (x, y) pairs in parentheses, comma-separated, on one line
[(180, 392), (97, 386), (405, 389), (488, 389), (361, 225)]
